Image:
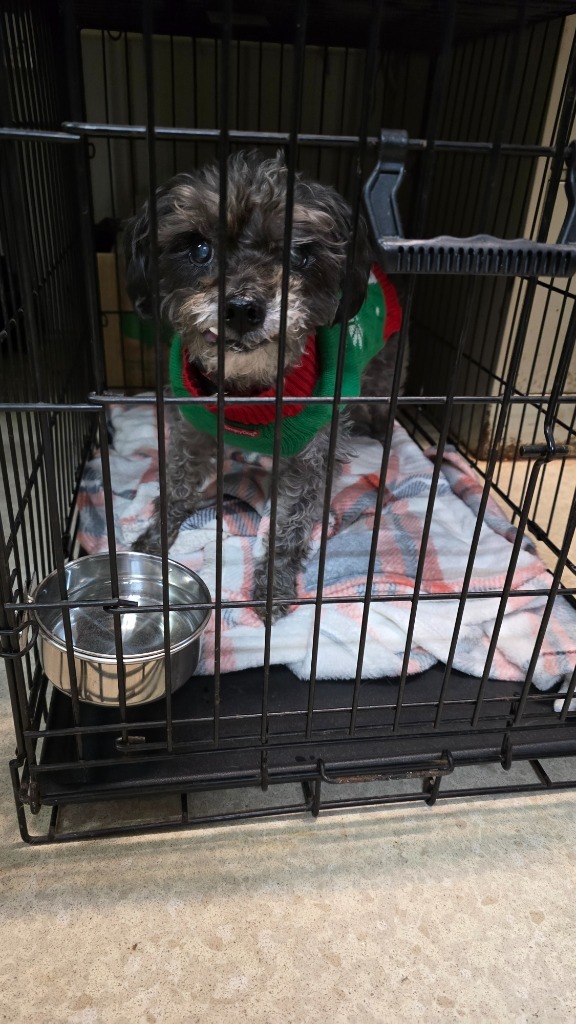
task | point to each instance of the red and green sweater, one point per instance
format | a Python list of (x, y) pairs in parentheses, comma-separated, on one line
[(252, 426)]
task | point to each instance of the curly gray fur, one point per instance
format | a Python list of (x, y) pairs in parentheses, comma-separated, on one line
[(188, 232), (302, 480)]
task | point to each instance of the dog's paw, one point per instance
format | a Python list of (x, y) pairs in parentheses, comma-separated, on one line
[(283, 592), (279, 611), (148, 543)]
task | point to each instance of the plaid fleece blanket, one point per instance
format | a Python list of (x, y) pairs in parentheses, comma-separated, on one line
[(246, 521)]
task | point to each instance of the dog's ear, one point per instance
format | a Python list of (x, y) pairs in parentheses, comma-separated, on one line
[(331, 216), (137, 261), (362, 259)]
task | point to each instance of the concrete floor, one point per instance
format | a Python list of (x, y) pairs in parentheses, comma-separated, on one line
[(463, 912)]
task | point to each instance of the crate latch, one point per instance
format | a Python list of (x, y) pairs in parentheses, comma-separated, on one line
[(380, 191), (481, 254)]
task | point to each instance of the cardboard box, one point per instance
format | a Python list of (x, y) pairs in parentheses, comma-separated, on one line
[(129, 347)]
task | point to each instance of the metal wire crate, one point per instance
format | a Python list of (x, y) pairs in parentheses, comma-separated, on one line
[(455, 123)]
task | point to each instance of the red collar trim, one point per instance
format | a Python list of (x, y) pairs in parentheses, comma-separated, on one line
[(299, 383)]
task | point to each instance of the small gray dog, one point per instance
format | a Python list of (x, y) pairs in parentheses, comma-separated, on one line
[(188, 229)]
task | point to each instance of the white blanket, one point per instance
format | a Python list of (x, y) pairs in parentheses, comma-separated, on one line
[(246, 487)]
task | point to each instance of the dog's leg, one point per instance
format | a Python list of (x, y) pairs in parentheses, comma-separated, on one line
[(190, 462), (300, 497)]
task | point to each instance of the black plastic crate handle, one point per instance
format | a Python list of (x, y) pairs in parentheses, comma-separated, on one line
[(482, 254), (386, 771)]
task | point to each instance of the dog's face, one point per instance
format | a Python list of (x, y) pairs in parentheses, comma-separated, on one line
[(188, 265)]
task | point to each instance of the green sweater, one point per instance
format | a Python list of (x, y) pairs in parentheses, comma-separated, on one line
[(366, 334)]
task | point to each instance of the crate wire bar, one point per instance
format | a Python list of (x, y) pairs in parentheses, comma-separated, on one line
[(476, 109)]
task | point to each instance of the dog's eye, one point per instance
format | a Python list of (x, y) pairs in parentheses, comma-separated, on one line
[(299, 257), (200, 251)]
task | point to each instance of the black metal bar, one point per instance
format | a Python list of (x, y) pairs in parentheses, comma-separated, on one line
[(255, 814), (325, 59), (559, 382), (129, 111), (223, 82), (295, 113), (99, 130), (568, 696), (430, 505), (20, 228), (518, 398), (205, 769), (38, 135), (562, 150), (435, 105), (529, 382), (82, 177), (148, 15), (492, 296), (173, 99), (371, 69), (376, 598), (14, 672), (112, 192), (508, 583), (489, 193), (58, 556), (195, 97), (568, 536), (500, 703), (541, 774), (114, 582)]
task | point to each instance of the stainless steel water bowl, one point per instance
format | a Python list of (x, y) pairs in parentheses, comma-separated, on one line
[(140, 581)]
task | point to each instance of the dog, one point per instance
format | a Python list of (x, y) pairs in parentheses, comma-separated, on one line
[(188, 282)]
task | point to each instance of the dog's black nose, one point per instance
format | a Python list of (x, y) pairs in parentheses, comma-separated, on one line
[(244, 315)]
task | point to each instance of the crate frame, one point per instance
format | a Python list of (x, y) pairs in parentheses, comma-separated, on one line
[(50, 427)]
